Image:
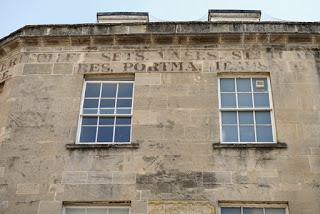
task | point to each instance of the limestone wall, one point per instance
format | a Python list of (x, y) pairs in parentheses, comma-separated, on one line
[(175, 124)]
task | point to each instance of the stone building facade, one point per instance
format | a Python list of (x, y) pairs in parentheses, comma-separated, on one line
[(177, 159)]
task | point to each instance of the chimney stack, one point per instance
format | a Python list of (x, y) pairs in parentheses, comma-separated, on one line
[(122, 17), (234, 15)]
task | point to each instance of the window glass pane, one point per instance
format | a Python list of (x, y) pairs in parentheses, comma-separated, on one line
[(245, 100), (92, 90), (228, 100), (101, 103), (246, 117), (261, 100), (123, 111), (107, 103), (263, 117), (229, 117), (227, 85), (122, 134), (88, 134), (124, 103), (107, 111), (247, 134), (125, 90), (90, 103), (109, 90), (75, 210), (97, 211), (106, 120), (230, 210), (89, 120), (252, 211), (229, 134), (275, 211), (105, 134), (264, 134), (118, 211), (243, 85), (123, 120), (256, 82), (90, 111)]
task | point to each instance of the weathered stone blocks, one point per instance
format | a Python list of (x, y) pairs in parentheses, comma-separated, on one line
[(63, 68), (175, 121), (49, 207), (180, 207), (2, 170), (314, 162), (28, 188), (37, 69)]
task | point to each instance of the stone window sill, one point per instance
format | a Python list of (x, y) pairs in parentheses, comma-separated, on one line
[(248, 146), (102, 146)]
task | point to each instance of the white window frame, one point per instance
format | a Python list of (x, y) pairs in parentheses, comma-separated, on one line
[(104, 207), (103, 115), (253, 109), (257, 205)]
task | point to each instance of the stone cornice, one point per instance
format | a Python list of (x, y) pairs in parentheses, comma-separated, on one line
[(165, 33), (165, 28)]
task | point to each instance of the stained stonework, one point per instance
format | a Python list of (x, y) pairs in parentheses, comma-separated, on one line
[(176, 163), (180, 207)]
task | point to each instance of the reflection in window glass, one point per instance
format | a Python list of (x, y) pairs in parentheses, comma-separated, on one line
[(75, 211), (107, 103), (88, 134), (275, 211), (252, 210), (263, 117), (105, 134), (123, 121), (122, 134), (247, 134), (90, 103), (92, 90), (89, 120), (124, 103), (229, 133), (244, 100), (90, 111), (246, 117), (227, 85), (106, 121), (123, 111), (228, 100), (264, 134), (109, 90), (125, 90), (244, 85), (229, 118), (118, 211), (230, 210), (261, 100), (96, 210)]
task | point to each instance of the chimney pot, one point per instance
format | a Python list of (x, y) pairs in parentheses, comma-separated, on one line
[(234, 15), (122, 17)]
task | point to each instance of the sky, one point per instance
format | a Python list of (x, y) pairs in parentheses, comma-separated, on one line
[(15, 14)]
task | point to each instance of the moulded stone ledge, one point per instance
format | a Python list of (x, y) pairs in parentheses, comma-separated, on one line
[(278, 145), (102, 146)]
